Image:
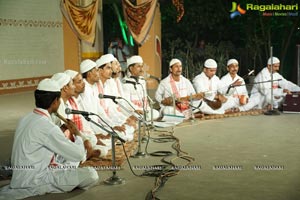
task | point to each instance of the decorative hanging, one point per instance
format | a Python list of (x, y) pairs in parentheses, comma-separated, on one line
[(82, 20), (139, 18), (180, 8)]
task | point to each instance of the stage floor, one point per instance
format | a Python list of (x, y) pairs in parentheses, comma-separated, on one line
[(247, 157)]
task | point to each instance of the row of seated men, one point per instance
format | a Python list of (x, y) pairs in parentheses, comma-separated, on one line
[(211, 95), (44, 158), (177, 95), (39, 143)]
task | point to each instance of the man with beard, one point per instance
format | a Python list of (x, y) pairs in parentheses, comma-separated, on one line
[(234, 87), (135, 88), (99, 142), (260, 96), (90, 98), (106, 86), (175, 86)]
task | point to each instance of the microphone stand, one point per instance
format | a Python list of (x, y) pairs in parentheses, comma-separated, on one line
[(272, 111), (255, 83), (151, 103), (139, 152), (192, 118), (151, 127), (173, 104), (114, 179)]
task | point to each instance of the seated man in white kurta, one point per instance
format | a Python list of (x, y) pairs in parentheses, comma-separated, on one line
[(174, 87), (37, 140), (67, 90), (135, 88), (115, 81), (98, 141), (234, 87), (208, 83), (106, 86), (260, 95), (90, 99)]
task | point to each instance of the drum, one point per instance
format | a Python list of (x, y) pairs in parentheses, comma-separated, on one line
[(243, 99), (292, 103)]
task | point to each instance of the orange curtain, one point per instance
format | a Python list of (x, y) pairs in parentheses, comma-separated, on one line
[(82, 20), (139, 18)]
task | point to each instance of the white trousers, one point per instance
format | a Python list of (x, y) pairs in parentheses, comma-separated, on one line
[(54, 181)]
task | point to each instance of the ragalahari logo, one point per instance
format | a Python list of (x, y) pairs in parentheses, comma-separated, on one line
[(236, 10)]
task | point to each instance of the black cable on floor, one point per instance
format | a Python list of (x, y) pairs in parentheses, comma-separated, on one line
[(162, 172)]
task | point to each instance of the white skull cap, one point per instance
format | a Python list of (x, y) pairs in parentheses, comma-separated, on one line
[(87, 65), (134, 60), (71, 73), (174, 61), (210, 63), (275, 60), (61, 78), (48, 85), (232, 61), (104, 59)]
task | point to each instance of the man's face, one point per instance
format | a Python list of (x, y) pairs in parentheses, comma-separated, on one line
[(233, 69), (210, 72), (79, 84), (56, 104), (69, 89), (93, 75), (106, 71), (275, 67), (137, 69), (116, 67), (176, 69)]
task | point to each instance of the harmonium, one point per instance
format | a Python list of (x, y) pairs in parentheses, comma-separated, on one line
[(292, 103)]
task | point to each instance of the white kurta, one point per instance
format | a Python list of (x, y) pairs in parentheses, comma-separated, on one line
[(261, 92), (91, 102), (137, 94), (87, 130), (119, 87), (125, 106), (112, 109), (37, 139), (210, 87), (233, 93), (164, 90)]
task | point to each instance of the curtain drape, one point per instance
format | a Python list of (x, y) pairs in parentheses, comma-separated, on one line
[(81, 19), (139, 18)]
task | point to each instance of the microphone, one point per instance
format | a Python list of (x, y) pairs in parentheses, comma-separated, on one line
[(78, 112), (101, 96), (153, 77), (250, 73)]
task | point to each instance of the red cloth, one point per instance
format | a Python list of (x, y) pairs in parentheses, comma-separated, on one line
[(76, 118), (183, 105)]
